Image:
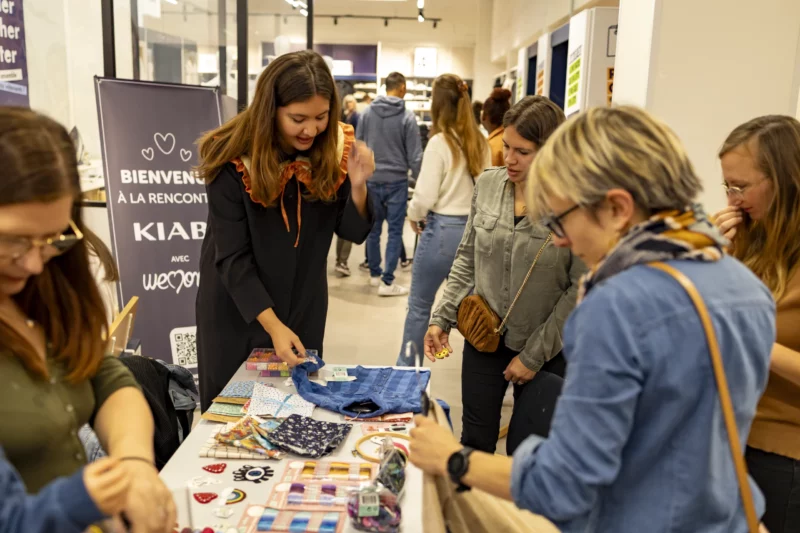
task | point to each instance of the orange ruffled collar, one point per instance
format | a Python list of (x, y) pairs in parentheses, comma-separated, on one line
[(300, 169)]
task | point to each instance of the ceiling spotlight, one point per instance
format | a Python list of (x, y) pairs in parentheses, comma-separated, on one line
[(420, 4), (435, 24), (421, 17), (385, 22), (335, 21), (285, 20), (304, 12)]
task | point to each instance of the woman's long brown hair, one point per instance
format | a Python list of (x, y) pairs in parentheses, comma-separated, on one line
[(771, 247), (38, 163), (452, 115), (290, 78)]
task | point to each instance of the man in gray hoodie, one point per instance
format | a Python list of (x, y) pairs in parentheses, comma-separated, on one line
[(391, 131)]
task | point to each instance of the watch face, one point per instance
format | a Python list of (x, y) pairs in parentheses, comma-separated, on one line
[(457, 465)]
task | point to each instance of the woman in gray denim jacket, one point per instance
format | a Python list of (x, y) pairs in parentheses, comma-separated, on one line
[(495, 254)]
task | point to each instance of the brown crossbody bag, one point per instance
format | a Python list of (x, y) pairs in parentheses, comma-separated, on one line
[(478, 322)]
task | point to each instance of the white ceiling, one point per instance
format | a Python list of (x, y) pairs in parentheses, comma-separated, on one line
[(196, 20)]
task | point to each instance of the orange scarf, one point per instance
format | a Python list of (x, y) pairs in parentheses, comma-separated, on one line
[(301, 170)]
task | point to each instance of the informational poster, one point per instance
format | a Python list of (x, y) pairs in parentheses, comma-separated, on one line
[(543, 66), (157, 207), (609, 84), (590, 61), (573, 79), (522, 78), (13, 57)]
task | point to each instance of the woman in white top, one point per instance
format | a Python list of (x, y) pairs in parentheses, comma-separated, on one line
[(456, 155)]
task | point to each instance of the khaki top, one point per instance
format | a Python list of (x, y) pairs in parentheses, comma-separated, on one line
[(496, 147), (776, 427), (494, 257), (40, 419)]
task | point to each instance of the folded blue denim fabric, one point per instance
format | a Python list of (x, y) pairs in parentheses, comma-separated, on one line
[(383, 390)]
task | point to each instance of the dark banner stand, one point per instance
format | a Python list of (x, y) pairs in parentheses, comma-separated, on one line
[(157, 208)]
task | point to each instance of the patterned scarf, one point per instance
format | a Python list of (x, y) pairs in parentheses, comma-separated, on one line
[(668, 235)]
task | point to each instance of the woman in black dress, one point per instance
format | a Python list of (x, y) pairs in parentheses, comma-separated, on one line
[(281, 177)]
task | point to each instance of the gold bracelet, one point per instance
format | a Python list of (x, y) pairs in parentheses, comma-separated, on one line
[(365, 438)]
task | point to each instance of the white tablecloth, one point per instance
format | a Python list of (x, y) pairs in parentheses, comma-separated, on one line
[(187, 464)]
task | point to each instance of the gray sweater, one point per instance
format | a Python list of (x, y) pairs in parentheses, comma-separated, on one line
[(391, 131), (494, 257)]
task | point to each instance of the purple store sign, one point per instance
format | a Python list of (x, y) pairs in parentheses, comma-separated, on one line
[(13, 59)]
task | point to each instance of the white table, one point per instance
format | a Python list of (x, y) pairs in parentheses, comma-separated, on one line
[(187, 464)]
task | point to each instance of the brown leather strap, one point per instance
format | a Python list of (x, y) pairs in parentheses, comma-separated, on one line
[(722, 388), (524, 282)]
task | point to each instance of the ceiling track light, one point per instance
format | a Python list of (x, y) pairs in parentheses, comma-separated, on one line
[(335, 21), (304, 12), (435, 24), (385, 22), (420, 4), (421, 17)]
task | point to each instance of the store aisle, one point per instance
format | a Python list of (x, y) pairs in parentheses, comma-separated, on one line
[(366, 329)]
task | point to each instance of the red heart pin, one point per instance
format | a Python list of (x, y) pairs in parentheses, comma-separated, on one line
[(205, 497), (215, 469)]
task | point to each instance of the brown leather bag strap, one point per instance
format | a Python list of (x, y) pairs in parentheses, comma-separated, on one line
[(524, 282), (724, 393)]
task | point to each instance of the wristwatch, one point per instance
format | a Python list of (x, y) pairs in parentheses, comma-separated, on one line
[(457, 467)]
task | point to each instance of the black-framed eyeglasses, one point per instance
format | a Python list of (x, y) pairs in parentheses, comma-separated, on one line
[(425, 400), (13, 247), (553, 222)]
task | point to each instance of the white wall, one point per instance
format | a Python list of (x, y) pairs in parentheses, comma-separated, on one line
[(712, 66), (65, 51), (483, 69), (517, 23), (45, 38), (400, 58)]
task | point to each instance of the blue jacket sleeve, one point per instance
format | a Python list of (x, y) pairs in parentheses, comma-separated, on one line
[(413, 146), (64, 505), (559, 478)]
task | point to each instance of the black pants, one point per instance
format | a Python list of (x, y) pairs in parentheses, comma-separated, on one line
[(778, 477), (483, 387)]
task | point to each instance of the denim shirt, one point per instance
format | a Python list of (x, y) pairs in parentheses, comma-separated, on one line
[(494, 257), (391, 390), (638, 442)]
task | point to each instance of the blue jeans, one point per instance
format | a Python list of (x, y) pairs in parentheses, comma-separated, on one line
[(432, 262), (389, 201)]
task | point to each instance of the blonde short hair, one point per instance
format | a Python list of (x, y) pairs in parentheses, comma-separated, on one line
[(349, 98), (613, 148)]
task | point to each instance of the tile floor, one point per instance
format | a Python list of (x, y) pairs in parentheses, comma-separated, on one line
[(364, 328)]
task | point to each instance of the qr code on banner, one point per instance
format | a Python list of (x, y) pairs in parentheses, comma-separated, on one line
[(184, 346)]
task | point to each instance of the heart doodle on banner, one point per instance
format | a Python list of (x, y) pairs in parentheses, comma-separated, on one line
[(148, 153), (165, 143), (215, 469), (205, 497), (186, 155)]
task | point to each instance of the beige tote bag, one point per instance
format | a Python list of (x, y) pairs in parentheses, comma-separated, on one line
[(473, 511)]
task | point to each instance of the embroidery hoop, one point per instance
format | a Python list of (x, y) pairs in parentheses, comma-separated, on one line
[(373, 458)]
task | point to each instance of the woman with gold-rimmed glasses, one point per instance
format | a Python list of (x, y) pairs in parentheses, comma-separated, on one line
[(54, 375), (761, 170), (15, 246)]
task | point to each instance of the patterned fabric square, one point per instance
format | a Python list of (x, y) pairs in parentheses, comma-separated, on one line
[(239, 389), (307, 437), (226, 409), (269, 401)]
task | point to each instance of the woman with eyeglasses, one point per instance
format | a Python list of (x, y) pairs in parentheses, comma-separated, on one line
[(54, 374), (497, 251), (638, 442), (761, 166)]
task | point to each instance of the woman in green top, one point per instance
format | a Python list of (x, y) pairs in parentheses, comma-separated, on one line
[(54, 376)]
